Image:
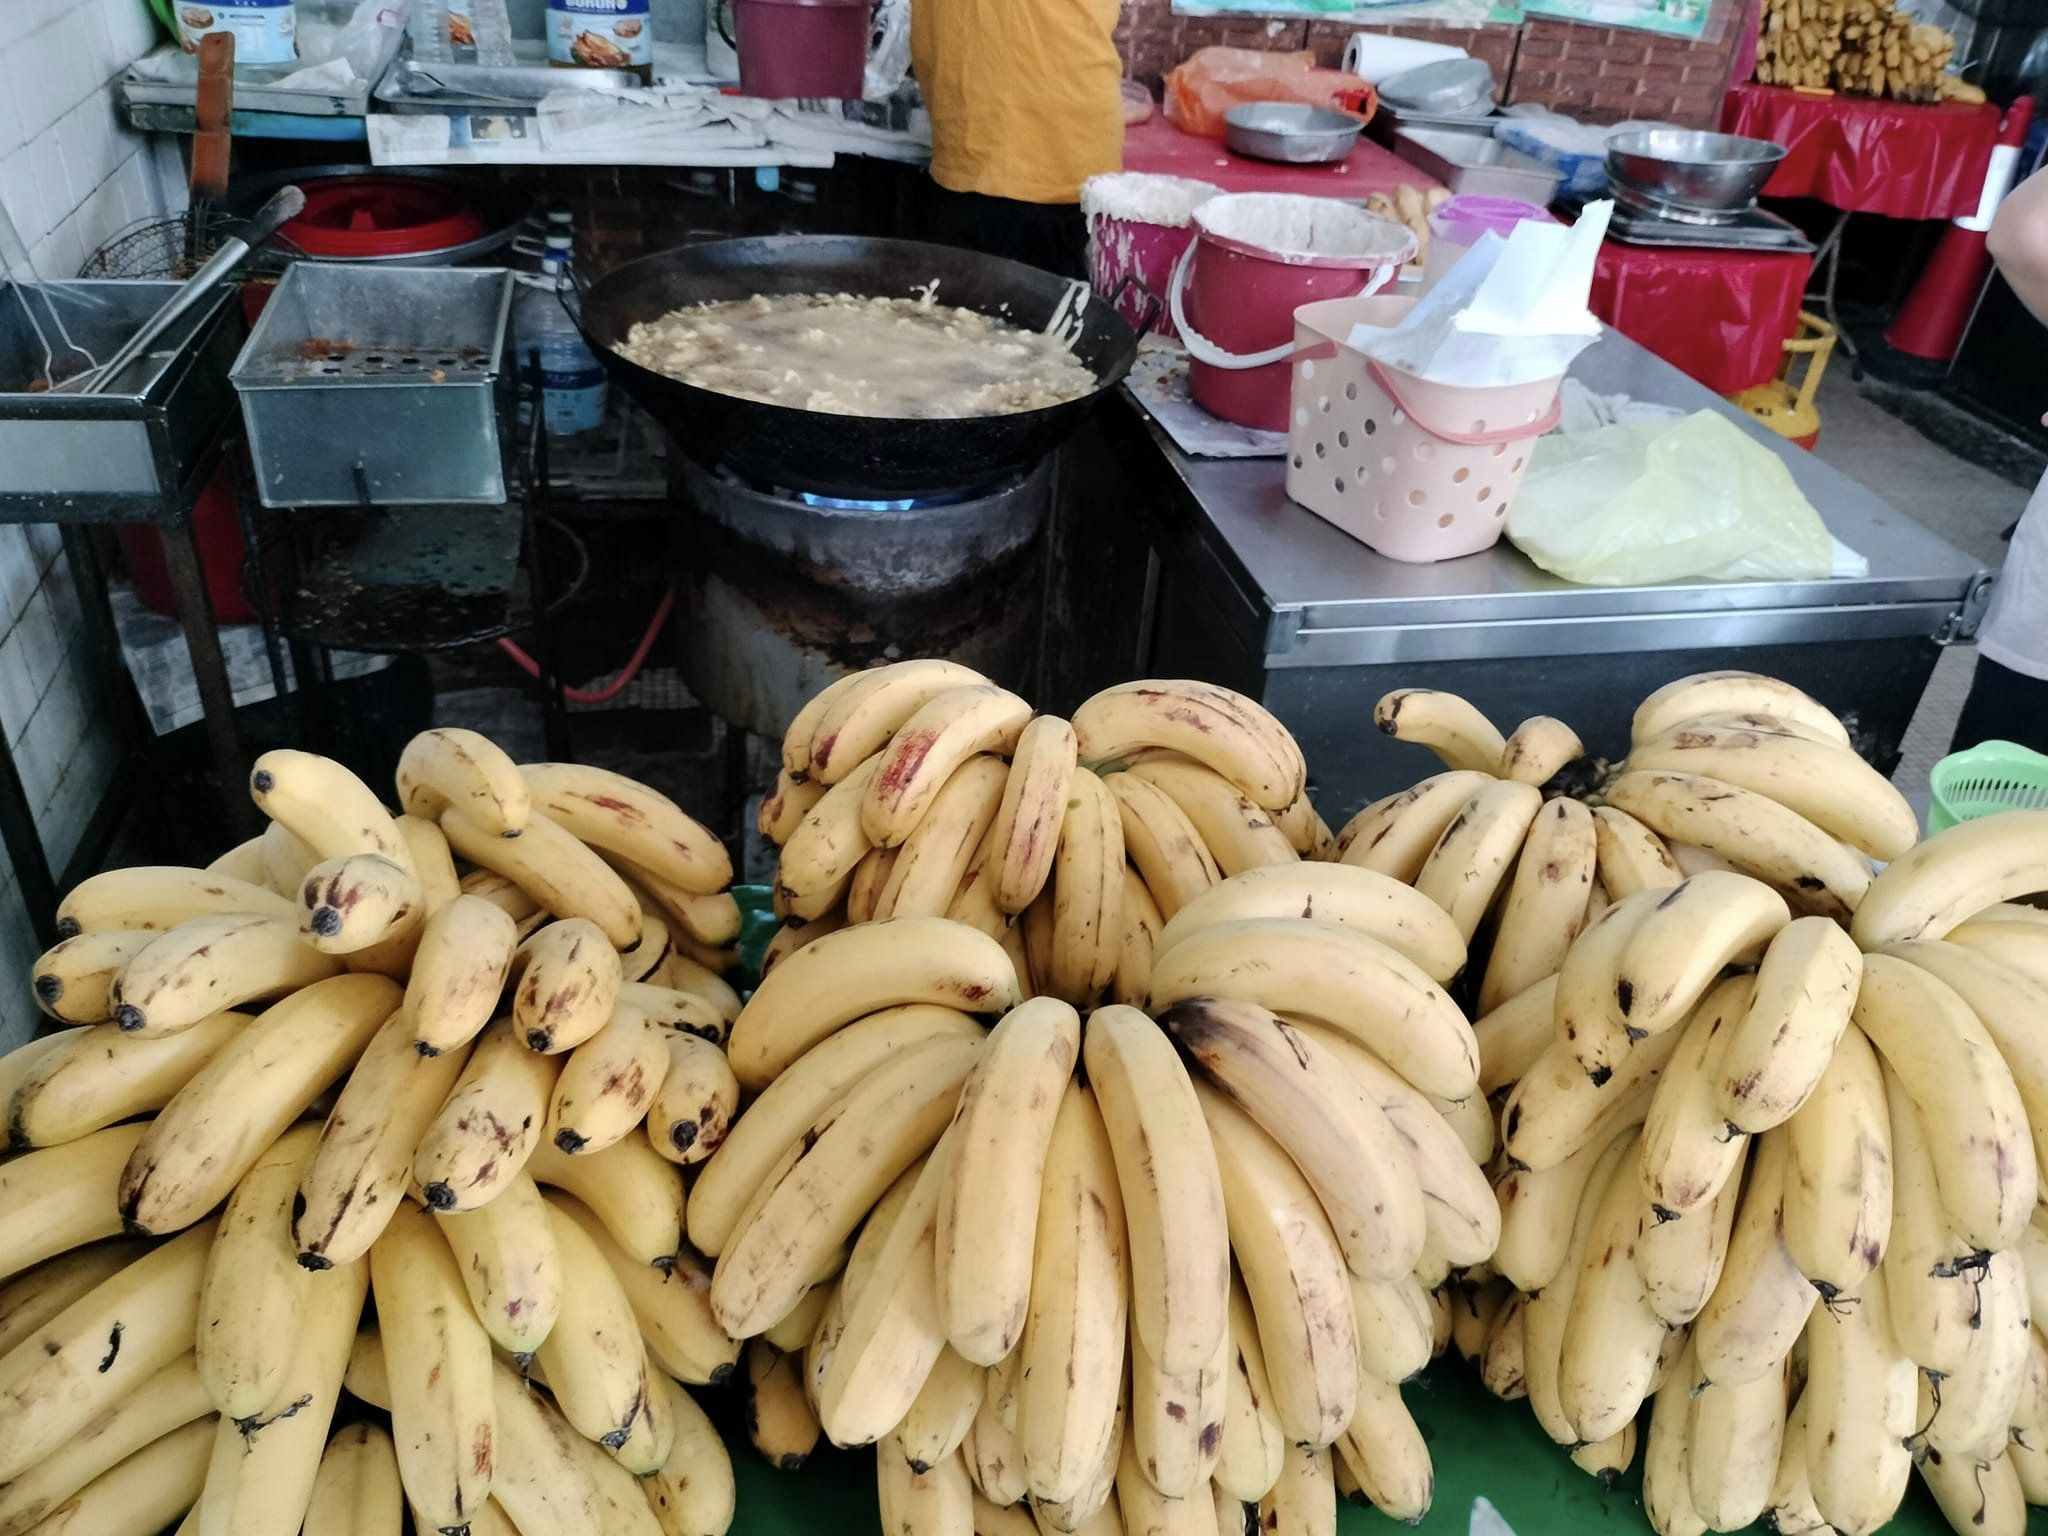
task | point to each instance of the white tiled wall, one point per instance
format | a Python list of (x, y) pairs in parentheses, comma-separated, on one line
[(71, 174)]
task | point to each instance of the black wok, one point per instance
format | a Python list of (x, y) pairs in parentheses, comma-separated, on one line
[(776, 445)]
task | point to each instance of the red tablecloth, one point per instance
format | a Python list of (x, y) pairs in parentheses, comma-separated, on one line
[(1722, 316), (1901, 159), (1157, 146)]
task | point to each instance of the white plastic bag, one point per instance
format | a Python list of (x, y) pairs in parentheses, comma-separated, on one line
[(1656, 501)]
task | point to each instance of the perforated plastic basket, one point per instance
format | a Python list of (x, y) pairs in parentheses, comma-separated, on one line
[(1990, 777)]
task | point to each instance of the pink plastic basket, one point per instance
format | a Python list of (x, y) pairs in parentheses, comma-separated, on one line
[(1416, 470)]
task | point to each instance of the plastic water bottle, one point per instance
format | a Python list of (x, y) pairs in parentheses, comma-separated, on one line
[(571, 382)]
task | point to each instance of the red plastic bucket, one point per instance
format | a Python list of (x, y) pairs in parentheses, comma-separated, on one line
[(1139, 227), (1256, 258), (809, 48)]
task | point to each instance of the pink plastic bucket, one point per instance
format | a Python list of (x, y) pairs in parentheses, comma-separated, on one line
[(809, 48), (1256, 258), (1138, 228)]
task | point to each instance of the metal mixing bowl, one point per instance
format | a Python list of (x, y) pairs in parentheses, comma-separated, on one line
[(1297, 134), (1690, 171)]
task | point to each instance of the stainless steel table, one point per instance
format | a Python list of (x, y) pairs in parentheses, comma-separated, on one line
[(1246, 587)]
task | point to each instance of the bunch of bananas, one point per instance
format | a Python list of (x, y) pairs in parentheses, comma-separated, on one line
[(922, 790), (1155, 1264), (264, 1059)]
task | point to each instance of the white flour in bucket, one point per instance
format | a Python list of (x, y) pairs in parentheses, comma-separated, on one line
[(1301, 229), (1141, 198)]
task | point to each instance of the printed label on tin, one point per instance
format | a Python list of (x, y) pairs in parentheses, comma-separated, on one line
[(265, 31), (600, 34)]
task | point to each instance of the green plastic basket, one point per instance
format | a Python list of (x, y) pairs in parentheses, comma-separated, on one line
[(1990, 777)]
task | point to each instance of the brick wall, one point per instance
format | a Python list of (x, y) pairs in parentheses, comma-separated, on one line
[(71, 173), (1598, 73)]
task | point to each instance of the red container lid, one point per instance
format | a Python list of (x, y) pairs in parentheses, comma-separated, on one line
[(358, 217)]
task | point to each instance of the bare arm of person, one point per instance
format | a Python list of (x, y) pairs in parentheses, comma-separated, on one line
[(2019, 243)]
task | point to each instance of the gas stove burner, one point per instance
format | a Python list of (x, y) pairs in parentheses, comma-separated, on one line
[(923, 500)]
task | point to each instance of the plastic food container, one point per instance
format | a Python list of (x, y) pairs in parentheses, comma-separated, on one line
[(1456, 225)]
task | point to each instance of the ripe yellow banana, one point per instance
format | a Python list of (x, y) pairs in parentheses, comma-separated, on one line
[(488, 885), (1973, 1404), (696, 1103), (1027, 823), (1761, 1302), (831, 840), (692, 1494), (1695, 930), (1607, 1358), (1386, 1453), (1547, 1313), (67, 1085), (1145, 1511), (31, 1299), (244, 861), (1470, 862), (1805, 990), (356, 1491), (1976, 1493), (779, 1419), (866, 710), (1540, 747), (1501, 1362), (1831, 787), (1792, 1508), (986, 1213), (1381, 908), (1754, 833), (607, 1083), (1143, 927), (710, 920), (1629, 856), (1512, 1036), (1838, 1173), (1162, 843), (540, 1474), (348, 905), (671, 1302), (926, 873), (1945, 1058), (159, 897), (1302, 1094), (216, 1126), (797, 740), (489, 1124), (1537, 1207), (211, 963), (863, 901), (437, 1361), (943, 1411), (685, 974), (929, 748), (143, 1494), (1087, 895), (1731, 692), (1556, 1108), (1092, 1511), (554, 867), (433, 863), (1073, 1349), (470, 772), (935, 1502), (893, 1332), (74, 980), (1860, 1400), (1335, 976), (1681, 1259), (1448, 725), (1250, 1450), (505, 1254), (1933, 1278), (1545, 905), (596, 1365), (1173, 1193), (99, 1350), (622, 816), (1736, 1436), (325, 806), (863, 970), (168, 1401), (1239, 833), (254, 1291), (855, 1150), (1607, 1459), (1586, 1006), (1667, 1458), (1221, 729), (458, 972), (286, 859), (1293, 1272), (629, 1187), (1176, 1421), (1688, 1151), (1395, 836), (785, 806)]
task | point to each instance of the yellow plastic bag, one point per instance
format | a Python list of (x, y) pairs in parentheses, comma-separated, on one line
[(1666, 501)]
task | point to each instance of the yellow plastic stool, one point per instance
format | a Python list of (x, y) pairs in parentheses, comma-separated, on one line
[(1788, 409)]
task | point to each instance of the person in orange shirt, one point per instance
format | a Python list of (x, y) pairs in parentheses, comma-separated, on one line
[(1025, 102)]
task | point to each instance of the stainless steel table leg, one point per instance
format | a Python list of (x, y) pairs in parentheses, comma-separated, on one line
[(1827, 260), (209, 668)]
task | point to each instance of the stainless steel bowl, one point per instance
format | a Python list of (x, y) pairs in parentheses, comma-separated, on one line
[(1453, 87), (1297, 134), (1690, 171)]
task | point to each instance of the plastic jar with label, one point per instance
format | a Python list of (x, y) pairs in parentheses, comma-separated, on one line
[(265, 31), (602, 34)]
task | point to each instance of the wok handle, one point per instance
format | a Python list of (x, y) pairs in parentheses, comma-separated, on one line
[(1155, 306)]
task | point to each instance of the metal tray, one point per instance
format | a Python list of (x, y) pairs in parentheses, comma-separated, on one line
[(125, 451), (1476, 166), (1388, 121)]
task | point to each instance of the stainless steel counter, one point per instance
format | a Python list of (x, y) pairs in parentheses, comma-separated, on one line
[(1248, 587)]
